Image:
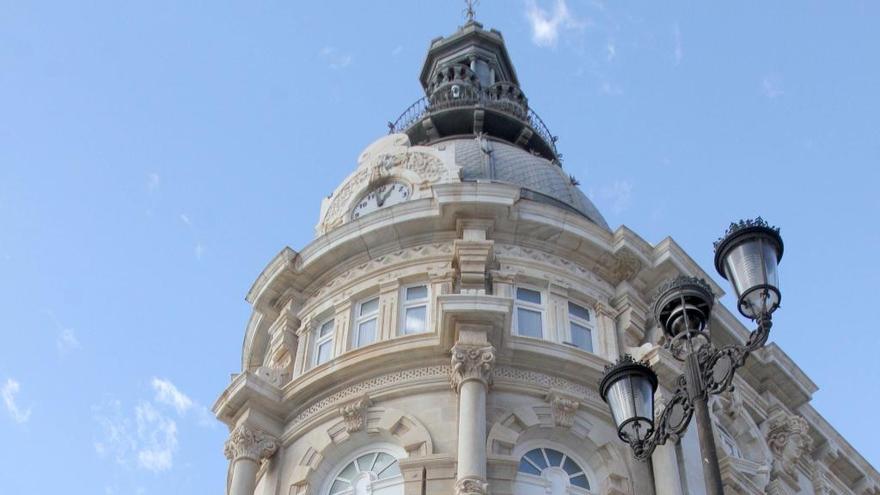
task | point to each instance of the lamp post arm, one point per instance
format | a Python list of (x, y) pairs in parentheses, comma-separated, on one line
[(719, 365), (670, 424)]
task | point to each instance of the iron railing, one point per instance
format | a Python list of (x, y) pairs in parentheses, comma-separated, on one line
[(423, 107)]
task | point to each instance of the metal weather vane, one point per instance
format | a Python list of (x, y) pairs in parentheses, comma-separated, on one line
[(470, 11)]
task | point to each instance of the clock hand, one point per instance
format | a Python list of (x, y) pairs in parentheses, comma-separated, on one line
[(381, 200)]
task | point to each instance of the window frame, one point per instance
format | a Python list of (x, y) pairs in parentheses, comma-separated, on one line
[(586, 469), (405, 305), (318, 341), (382, 447), (360, 319), (588, 324), (541, 309)]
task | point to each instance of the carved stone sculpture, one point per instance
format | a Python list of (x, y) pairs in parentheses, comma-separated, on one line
[(471, 486), (355, 414), (789, 440), (563, 408), (471, 363), (248, 443)]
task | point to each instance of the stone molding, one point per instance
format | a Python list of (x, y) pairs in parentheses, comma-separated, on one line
[(249, 443), (471, 363), (471, 486), (355, 414)]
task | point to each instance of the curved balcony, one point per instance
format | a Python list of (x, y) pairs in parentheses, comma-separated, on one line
[(452, 109)]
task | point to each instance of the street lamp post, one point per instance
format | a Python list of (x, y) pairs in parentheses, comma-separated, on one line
[(747, 256)]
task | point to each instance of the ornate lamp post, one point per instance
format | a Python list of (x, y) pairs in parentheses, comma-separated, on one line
[(747, 256)]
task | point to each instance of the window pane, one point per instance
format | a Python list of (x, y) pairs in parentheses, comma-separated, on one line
[(392, 470), (571, 467), (416, 293), (365, 462), (339, 486), (528, 323), (349, 472), (582, 337), (369, 307), (537, 457), (366, 333), (528, 295), (578, 311), (415, 320), (382, 462), (554, 456), (580, 481), (324, 351), (326, 328), (526, 467)]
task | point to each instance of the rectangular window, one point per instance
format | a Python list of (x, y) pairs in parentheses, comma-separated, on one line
[(415, 310), (580, 326), (529, 313), (366, 322), (324, 342)]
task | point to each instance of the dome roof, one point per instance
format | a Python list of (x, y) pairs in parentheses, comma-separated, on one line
[(541, 180)]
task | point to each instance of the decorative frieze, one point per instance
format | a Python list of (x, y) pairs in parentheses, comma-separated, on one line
[(249, 443), (355, 414), (471, 363)]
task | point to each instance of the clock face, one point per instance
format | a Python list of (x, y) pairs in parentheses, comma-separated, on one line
[(387, 194)]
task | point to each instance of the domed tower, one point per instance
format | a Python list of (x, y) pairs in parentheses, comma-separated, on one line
[(446, 330)]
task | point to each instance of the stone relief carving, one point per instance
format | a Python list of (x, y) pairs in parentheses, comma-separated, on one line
[(249, 443), (624, 266), (364, 269), (355, 414), (563, 408), (471, 486), (471, 363), (789, 441), (543, 380)]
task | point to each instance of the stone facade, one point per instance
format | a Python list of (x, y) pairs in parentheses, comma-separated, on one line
[(518, 302)]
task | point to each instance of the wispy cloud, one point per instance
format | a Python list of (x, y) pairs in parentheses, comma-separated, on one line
[(153, 181), (547, 26), (397, 50), (185, 219), (616, 196), (611, 89), (199, 250), (146, 436), (771, 86), (335, 59), (168, 394), (9, 391), (610, 50), (67, 341), (678, 51)]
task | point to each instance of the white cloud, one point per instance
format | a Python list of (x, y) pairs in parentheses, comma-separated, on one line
[(185, 219), (67, 341), (611, 50), (679, 50), (397, 50), (168, 394), (158, 438), (771, 87), (153, 181), (335, 59), (615, 196), (610, 88), (546, 26), (199, 250), (9, 391)]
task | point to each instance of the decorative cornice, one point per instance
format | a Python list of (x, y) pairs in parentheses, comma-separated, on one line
[(355, 414), (248, 443), (471, 363)]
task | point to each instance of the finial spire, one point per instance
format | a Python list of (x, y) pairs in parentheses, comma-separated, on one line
[(470, 12)]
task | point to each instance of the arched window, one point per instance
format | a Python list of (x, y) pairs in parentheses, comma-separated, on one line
[(544, 471), (376, 473)]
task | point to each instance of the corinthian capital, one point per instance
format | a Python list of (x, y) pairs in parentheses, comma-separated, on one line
[(248, 443), (471, 363), (471, 486)]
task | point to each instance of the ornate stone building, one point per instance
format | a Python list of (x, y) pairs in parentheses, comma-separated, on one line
[(446, 330)]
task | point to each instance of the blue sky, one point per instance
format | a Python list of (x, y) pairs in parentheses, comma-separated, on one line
[(154, 156)]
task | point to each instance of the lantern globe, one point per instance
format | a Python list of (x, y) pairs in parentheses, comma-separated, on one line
[(628, 388), (683, 305), (748, 256)]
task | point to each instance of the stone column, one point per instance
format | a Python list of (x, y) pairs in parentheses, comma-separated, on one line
[(245, 449), (471, 376)]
